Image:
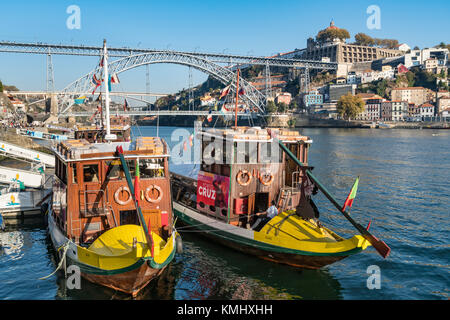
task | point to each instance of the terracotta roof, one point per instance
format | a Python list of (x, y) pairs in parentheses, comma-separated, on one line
[(427, 105), (410, 88)]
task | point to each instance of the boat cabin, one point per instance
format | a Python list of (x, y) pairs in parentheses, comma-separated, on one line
[(91, 194), (243, 169), (95, 134)]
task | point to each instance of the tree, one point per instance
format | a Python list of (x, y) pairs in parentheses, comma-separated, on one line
[(1, 86), (363, 39), (271, 107), (349, 106), (282, 107), (330, 34), (381, 87)]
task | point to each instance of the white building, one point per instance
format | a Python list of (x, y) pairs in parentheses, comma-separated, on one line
[(403, 47), (418, 57), (426, 110)]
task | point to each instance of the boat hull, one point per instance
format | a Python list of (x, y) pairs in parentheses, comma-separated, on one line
[(243, 240), (130, 279)]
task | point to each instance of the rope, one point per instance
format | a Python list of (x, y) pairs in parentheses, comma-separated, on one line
[(66, 247)]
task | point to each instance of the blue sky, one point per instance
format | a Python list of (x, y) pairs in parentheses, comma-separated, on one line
[(239, 27)]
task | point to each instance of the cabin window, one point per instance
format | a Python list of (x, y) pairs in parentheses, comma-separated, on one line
[(151, 168), (129, 217), (74, 173), (131, 164), (115, 171), (91, 173)]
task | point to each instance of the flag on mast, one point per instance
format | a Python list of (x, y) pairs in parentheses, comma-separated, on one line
[(349, 201), (136, 182), (224, 92)]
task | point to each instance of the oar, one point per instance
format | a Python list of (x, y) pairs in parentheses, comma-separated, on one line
[(119, 152), (379, 245)]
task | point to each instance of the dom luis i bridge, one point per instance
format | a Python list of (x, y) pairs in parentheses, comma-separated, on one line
[(220, 66)]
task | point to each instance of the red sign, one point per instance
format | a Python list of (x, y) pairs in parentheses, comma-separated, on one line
[(212, 189)]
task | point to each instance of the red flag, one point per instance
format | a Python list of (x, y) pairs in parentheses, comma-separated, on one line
[(209, 116), (224, 92)]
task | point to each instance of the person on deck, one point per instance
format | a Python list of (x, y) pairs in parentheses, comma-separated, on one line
[(264, 217)]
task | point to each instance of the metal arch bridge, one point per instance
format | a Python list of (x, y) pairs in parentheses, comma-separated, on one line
[(253, 97), (131, 58), (221, 58)]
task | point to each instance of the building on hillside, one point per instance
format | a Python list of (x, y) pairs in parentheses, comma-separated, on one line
[(312, 98), (207, 101), (326, 110), (403, 47), (445, 114), (353, 78), (413, 112), (276, 84), (372, 110), (426, 111), (399, 110), (335, 91), (339, 51), (416, 95), (442, 104), (401, 69), (386, 111), (418, 57), (394, 111), (283, 97)]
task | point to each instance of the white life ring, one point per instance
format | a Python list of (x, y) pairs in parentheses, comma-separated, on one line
[(266, 182), (147, 193), (116, 195), (240, 175)]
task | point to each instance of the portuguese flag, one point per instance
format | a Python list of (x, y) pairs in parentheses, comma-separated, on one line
[(349, 201)]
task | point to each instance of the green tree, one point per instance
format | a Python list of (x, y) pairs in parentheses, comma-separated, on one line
[(349, 106), (363, 39), (330, 34), (1, 86), (282, 107), (271, 107), (381, 87)]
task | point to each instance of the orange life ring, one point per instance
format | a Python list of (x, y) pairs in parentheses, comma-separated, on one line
[(241, 174), (147, 193), (116, 195), (268, 182)]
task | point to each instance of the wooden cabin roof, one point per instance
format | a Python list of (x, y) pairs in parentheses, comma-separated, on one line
[(70, 150), (257, 134)]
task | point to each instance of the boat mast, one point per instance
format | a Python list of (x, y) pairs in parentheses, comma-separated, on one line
[(108, 136)]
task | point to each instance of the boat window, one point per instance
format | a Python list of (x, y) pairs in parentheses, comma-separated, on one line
[(151, 168), (115, 171), (131, 167), (91, 173), (74, 173)]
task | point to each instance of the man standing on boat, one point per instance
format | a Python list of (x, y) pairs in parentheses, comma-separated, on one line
[(264, 217)]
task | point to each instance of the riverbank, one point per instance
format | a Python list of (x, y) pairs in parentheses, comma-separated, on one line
[(293, 120)]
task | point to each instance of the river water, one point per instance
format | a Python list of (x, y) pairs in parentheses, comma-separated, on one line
[(404, 191)]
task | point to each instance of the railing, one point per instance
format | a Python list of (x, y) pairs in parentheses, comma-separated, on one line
[(93, 209)]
